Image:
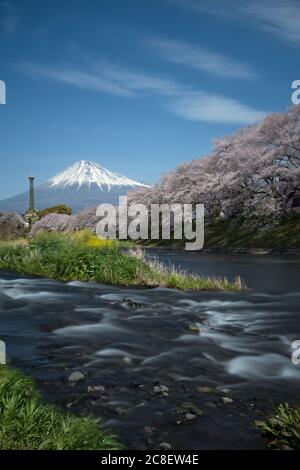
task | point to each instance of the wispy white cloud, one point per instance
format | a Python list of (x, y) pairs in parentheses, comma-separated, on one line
[(278, 17), (200, 58), (201, 106), (134, 80), (103, 76), (181, 100), (8, 18), (77, 77)]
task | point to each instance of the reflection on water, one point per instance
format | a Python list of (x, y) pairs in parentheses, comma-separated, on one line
[(261, 273)]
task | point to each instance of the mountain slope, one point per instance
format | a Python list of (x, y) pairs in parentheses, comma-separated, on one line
[(89, 173), (82, 185)]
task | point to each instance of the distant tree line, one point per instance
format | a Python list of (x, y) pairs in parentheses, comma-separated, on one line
[(60, 209)]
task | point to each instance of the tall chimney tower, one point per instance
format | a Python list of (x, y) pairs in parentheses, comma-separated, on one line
[(31, 194)]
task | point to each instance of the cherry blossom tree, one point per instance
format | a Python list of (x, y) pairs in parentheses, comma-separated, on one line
[(53, 223), (254, 171)]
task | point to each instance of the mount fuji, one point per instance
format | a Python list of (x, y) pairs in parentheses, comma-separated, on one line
[(82, 185)]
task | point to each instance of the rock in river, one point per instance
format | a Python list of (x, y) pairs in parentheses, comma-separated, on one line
[(76, 376)]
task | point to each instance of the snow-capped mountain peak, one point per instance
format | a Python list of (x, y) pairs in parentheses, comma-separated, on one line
[(84, 184), (89, 173)]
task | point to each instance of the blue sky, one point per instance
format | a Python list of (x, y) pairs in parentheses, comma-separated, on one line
[(136, 85)]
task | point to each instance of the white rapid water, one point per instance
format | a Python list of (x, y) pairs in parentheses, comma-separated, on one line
[(126, 341)]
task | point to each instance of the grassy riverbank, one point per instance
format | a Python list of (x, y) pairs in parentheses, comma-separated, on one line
[(239, 234), (242, 235), (26, 423), (83, 257)]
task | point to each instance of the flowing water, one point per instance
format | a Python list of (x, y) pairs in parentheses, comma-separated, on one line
[(164, 362)]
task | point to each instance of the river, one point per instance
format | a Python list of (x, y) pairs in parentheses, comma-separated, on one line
[(193, 370)]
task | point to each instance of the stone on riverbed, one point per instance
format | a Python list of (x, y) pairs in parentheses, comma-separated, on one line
[(121, 411), (76, 376), (195, 329), (190, 417), (149, 431), (161, 390), (127, 360), (96, 390), (205, 389), (227, 400), (165, 446), (225, 390), (131, 303)]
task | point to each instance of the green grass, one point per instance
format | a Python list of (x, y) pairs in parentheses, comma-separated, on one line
[(174, 278), (242, 234), (239, 233), (75, 257), (282, 429), (26, 423)]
